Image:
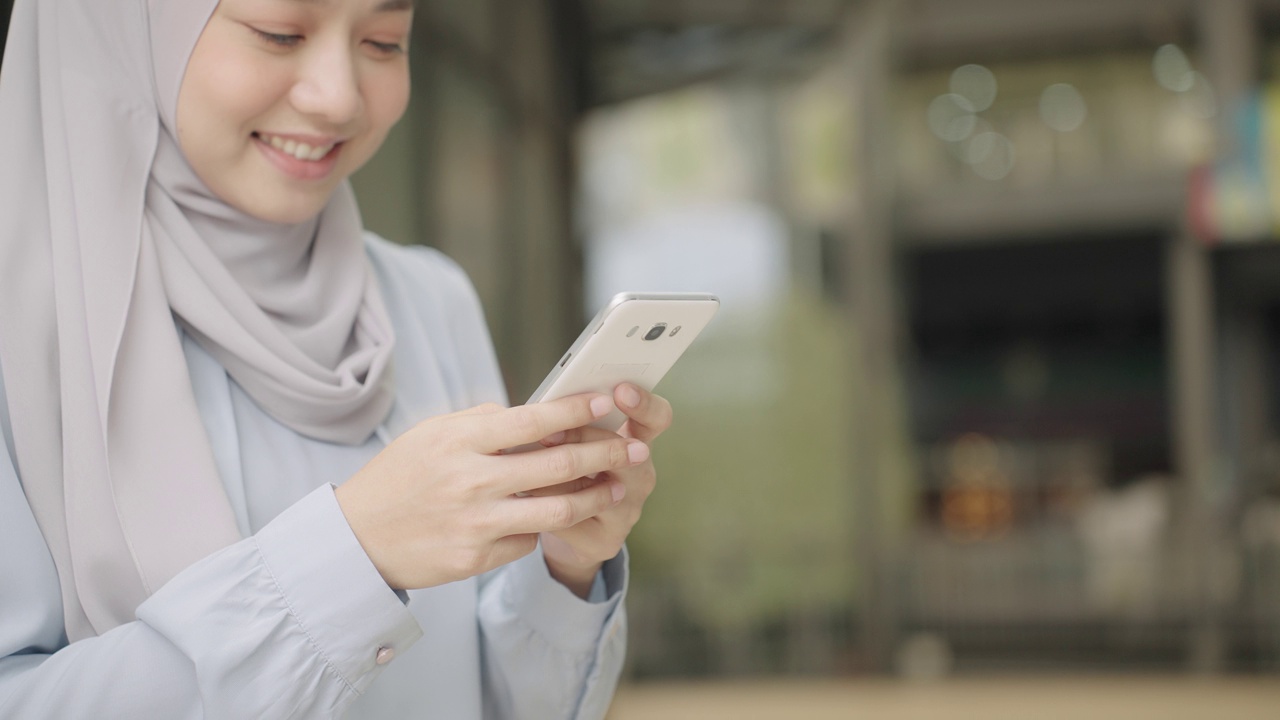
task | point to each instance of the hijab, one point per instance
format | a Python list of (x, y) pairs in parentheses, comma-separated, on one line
[(109, 243)]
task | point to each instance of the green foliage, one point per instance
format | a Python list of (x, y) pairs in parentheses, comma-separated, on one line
[(752, 515)]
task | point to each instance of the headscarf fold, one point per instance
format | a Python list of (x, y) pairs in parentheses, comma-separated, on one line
[(108, 243)]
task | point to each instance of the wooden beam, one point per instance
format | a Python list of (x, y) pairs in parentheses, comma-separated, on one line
[(941, 31)]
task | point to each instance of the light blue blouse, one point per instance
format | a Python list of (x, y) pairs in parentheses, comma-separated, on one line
[(294, 621)]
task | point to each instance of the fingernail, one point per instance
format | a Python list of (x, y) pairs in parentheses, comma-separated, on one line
[(554, 439), (618, 491), (601, 406), (628, 396), (637, 452)]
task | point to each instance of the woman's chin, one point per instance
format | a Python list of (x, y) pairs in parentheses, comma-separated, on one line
[(282, 208)]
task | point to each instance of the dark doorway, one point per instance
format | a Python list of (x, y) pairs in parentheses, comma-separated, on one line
[(1044, 341)]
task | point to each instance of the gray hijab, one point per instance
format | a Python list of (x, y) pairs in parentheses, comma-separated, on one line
[(107, 239)]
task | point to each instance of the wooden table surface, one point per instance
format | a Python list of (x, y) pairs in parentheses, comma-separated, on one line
[(1014, 698)]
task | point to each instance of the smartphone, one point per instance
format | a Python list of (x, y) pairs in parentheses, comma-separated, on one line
[(636, 338)]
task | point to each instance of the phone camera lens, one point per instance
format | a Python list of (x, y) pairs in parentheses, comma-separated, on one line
[(656, 331)]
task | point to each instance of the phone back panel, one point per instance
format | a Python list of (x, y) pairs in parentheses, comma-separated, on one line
[(613, 348)]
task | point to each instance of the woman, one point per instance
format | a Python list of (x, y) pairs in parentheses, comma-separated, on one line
[(197, 345)]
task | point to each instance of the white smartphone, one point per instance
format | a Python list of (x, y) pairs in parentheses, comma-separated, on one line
[(636, 338)]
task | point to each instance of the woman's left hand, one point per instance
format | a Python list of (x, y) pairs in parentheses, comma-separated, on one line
[(574, 556)]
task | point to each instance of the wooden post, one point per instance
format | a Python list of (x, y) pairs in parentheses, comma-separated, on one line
[(1192, 341), (1228, 45), (879, 434)]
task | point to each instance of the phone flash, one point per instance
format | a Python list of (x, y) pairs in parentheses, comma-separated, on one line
[(633, 331), (675, 330)]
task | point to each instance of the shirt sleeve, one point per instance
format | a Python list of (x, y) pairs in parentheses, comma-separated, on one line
[(547, 653), (287, 623)]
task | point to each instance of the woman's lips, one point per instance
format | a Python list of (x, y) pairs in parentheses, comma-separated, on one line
[(299, 159)]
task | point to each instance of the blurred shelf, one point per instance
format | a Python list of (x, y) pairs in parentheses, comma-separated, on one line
[(1115, 206)]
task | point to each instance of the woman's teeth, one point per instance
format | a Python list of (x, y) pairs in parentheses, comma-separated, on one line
[(301, 151)]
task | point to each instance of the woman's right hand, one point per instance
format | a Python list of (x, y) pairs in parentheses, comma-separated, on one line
[(441, 502)]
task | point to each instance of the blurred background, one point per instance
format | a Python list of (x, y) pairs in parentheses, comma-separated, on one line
[(989, 423)]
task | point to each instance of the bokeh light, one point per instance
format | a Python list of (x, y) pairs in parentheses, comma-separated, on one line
[(976, 84), (951, 117), (991, 155), (962, 150), (1172, 69), (1062, 107)]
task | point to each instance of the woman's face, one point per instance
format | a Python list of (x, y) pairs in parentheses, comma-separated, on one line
[(283, 99)]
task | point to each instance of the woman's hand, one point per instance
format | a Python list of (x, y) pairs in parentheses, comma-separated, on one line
[(574, 554), (440, 503)]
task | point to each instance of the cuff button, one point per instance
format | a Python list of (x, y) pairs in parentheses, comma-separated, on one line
[(385, 655)]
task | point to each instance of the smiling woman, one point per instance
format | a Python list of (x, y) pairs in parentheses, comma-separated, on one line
[(283, 100), (217, 498)]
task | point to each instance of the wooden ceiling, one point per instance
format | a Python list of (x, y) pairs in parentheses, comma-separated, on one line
[(639, 47)]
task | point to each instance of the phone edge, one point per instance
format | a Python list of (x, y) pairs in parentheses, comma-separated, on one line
[(598, 322)]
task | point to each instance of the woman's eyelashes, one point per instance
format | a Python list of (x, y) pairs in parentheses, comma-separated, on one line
[(288, 41), (387, 48), (280, 40)]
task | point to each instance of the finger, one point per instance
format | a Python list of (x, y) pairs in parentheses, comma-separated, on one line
[(511, 548), (565, 487), (593, 540), (552, 466), (560, 512), (648, 415), (574, 436), (564, 437), (551, 440), (484, 409), (640, 481), (628, 475), (530, 423), (579, 435)]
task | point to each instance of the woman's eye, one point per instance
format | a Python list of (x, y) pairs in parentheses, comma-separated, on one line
[(279, 40), (386, 48)]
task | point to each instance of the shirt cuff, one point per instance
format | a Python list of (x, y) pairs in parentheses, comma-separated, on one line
[(554, 612), (333, 590)]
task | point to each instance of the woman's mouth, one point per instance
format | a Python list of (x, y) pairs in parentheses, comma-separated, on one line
[(299, 150), (299, 158)]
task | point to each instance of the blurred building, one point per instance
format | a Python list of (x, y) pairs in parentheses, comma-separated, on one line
[(1059, 301), (1083, 372)]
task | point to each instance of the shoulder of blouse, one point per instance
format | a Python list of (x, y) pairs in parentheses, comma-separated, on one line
[(419, 267), (425, 289), (425, 276)]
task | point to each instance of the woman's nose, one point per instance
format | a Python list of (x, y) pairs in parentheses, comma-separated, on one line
[(328, 85)]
